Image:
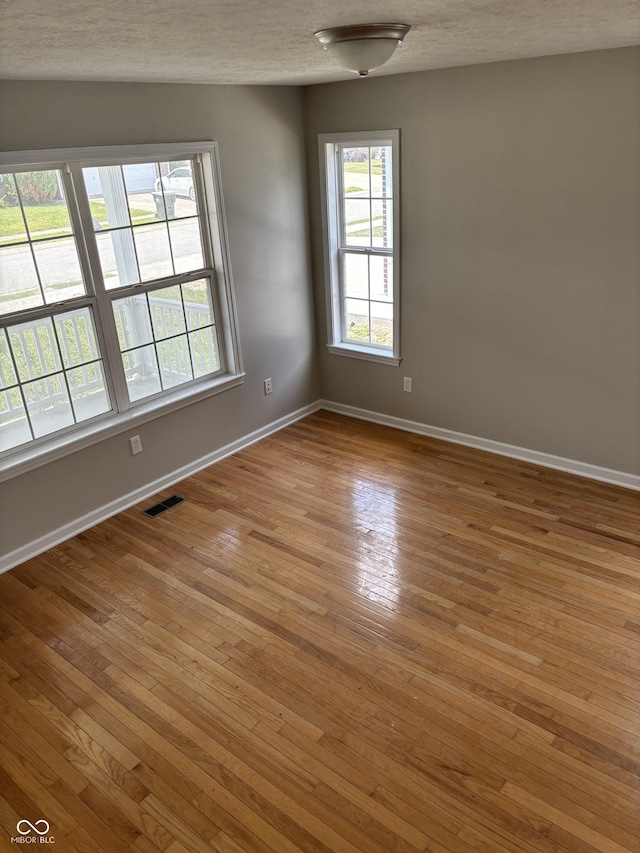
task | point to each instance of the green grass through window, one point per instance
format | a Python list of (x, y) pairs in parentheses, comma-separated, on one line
[(363, 168), (52, 220)]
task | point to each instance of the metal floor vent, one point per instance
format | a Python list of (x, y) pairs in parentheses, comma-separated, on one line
[(156, 509)]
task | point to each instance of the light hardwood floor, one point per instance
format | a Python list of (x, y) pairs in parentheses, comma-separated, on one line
[(348, 638)]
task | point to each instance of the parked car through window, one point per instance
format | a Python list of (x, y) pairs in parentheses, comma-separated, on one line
[(179, 181)]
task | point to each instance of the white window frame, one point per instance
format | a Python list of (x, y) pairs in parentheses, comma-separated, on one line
[(331, 193), (216, 259)]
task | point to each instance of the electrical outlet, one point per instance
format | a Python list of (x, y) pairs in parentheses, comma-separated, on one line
[(136, 444), (267, 386), (408, 383)]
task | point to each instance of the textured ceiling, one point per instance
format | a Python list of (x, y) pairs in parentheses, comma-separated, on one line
[(271, 41)]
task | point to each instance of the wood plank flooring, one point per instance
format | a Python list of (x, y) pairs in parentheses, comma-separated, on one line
[(348, 638)]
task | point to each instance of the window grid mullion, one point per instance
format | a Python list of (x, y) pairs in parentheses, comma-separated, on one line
[(104, 326), (166, 223), (199, 186), (40, 311), (27, 230), (26, 411), (37, 269), (173, 262), (71, 406), (155, 340), (41, 241), (140, 226), (22, 213), (18, 385), (376, 251), (41, 355), (13, 360), (186, 332), (130, 227), (342, 238), (126, 196)]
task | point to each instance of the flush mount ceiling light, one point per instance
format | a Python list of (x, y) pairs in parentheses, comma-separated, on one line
[(362, 47)]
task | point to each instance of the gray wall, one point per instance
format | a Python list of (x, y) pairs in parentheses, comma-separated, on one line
[(520, 259), (260, 133), (521, 267)]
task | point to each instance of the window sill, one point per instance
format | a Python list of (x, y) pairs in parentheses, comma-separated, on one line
[(112, 424), (381, 356)]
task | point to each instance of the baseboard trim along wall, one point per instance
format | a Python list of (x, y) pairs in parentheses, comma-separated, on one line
[(547, 460), (67, 531)]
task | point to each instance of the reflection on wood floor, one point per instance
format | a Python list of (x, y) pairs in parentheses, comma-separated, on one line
[(347, 638)]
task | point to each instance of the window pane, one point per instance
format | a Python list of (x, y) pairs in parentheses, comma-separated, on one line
[(77, 337), (197, 305), (42, 348), (139, 180), (19, 288), (48, 404), (14, 427), (132, 321), (186, 245), (204, 351), (356, 276), (141, 370), (174, 206), (117, 258), (107, 196), (167, 314), (7, 372), (179, 190), (355, 172), (381, 277), (59, 269), (50, 266), (186, 206), (175, 361), (382, 323), (382, 221), (357, 320), (44, 205), (152, 248), (35, 348), (137, 194), (357, 222), (88, 391), (381, 172), (12, 227), (159, 316)]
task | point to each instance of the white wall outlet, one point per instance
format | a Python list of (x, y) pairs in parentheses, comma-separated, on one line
[(408, 383), (267, 386), (136, 444)]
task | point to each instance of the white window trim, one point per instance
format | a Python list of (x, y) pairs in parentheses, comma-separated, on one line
[(22, 460), (329, 184)]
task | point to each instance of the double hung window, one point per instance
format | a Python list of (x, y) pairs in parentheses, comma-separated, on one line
[(115, 292), (359, 173)]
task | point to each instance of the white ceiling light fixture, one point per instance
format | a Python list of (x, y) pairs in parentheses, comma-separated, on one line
[(363, 47)]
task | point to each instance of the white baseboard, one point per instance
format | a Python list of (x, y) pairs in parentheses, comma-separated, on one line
[(67, 531), (547, 460)]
